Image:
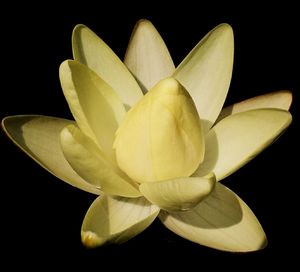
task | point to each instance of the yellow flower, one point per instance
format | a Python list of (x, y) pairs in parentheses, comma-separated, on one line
[(153, 141)]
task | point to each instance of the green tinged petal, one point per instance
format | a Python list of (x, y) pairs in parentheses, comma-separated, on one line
[(278, 100), (91, 164), (161, 137), (238, 138), (116, 220), (95, 106), (90, 50), (178, 194), (39, 137), (206, 72), (147, 56), (222, 221)]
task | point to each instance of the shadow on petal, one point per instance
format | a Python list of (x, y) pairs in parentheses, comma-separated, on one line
[(222, 221), (211, 154), (221, 209)]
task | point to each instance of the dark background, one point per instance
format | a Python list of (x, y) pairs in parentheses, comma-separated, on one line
[(41, 216)]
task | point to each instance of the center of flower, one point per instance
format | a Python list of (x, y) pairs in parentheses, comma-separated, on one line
[(161, 137)]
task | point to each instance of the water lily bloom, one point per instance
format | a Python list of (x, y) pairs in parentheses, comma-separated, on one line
[(153, 140)]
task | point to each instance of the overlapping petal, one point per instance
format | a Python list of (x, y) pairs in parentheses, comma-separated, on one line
[(206, 72), (90, 50), (238, 138), (221, 221), (39, 137), (92, 164), (147, 56), (161, 137), (95, 106), (278, 100), (178, 194), (116, 220)]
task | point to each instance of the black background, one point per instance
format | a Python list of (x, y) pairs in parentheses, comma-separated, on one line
[(41, 216)]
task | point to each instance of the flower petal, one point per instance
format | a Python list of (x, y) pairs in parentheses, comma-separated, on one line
[(206, 72), (116, 220), (222, 221), (278, 100), (178, 194), (92, 165), (161, 137), (147, 56), (238, 138), (95, 106), (90, 50), (38, 137)]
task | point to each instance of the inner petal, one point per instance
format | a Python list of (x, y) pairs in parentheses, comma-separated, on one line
[(161, 136)]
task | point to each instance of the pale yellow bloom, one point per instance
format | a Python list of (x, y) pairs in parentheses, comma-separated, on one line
[(153, 141)]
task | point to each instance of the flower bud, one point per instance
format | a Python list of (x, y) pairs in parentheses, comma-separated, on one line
[(161, 137)]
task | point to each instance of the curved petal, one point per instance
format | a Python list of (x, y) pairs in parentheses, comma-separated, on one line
[(206, 72), (161, 137), (91, 164), (238, 138), (279, 100), (116, 220), (90, 50), (95, 106), (222, 221), (178, 194), (147, 56), (38, 137)]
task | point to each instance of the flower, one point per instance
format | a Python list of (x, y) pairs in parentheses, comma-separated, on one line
[(152, 140)]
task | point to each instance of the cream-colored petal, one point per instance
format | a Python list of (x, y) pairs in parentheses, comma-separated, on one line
[(238, 138), (90, 50), (178, 194), (92, 164), (206, 72), (95, 106), (279, 100), (222, 221), (147, 56), (39, 138), (116, 220), (161, 137)]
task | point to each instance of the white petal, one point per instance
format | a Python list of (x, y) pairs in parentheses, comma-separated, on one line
[(95, 106), (116, 220), (279, 100), (147, 56), (178, 194), (90, 50), (222, 221), (238, 138), (39, 138), (91, 164), (206, 72)]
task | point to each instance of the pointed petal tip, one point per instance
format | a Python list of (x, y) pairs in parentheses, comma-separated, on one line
[(287, 96), (143, 23), (91, 239)]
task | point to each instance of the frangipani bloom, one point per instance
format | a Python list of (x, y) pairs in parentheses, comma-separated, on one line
[(153, 141)]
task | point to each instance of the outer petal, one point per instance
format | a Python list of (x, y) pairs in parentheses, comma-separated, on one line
[(90, 50), (238, 138), (222, 221), (91, 164), (38, 137), (206, 72), (278, 100), (116, 220), (95, 106), (178, 194), (147, 56)]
